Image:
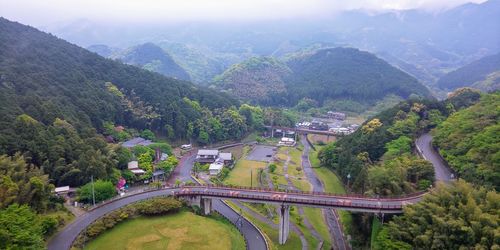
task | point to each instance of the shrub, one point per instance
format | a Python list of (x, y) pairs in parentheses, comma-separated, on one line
[(272, 167), (103, 190), (158, 206)]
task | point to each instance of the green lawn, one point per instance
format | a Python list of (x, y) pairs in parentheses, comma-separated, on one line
[(240, 175), (183, 230)]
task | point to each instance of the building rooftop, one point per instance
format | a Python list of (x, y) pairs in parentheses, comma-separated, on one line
[(216, 166), (226, 156), (208, 152), (62, 189)]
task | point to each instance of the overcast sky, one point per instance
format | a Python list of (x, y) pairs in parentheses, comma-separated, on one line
[(43, 12)]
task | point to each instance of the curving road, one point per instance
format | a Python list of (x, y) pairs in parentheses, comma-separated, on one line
[(65, 238), (424, 147), (253, 237)]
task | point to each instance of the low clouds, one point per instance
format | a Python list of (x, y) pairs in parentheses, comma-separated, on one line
[(36, 12)]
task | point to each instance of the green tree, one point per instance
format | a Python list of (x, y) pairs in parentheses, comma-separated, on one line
[(20, 228), (398, 147), (147, 134), (103, 190), (23, 183), (452, 216)]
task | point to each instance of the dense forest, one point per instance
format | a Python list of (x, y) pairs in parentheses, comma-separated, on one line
[(469, 140), (47, 78), (258, 80), (322, 75), (455, 216), (482, 74)]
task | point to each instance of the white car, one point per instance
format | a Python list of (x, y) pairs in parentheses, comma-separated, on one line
[(186, 146)]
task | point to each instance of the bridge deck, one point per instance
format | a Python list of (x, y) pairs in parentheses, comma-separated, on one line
[(311, 199)]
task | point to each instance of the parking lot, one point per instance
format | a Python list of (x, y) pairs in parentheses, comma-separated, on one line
[(262, 153)]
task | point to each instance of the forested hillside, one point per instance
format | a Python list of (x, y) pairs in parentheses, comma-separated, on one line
[(483, 74), (56, 99), (469, 140), (323, 75), (153, 58), (258, 79), (48, 78), (379, 156)]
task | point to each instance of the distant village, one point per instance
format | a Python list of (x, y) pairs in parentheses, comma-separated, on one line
[(332, 122)]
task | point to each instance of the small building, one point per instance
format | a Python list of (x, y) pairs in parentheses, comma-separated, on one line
[(136, 142), (133, 166), (226, 158), (336, 115), (207, 155), (318, 125), (64, 191), (119, 128), (215, 168), (285, 141)]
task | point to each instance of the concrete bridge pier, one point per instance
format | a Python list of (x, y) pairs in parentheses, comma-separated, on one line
[(206, 205), (194, 200), (284, 213)]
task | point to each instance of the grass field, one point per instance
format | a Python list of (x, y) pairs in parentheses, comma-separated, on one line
[(183, 230), (243, 170)]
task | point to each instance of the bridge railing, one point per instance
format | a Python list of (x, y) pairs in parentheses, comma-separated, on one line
[(314, 193), (313, 202)]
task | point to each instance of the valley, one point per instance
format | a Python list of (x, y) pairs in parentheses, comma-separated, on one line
[(231, 125)]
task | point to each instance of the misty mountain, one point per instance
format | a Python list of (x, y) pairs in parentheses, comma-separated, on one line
[(102, 50), (152, 58), (47, 78), (483, 74), (202, 63), (321, 75), (434, 43)]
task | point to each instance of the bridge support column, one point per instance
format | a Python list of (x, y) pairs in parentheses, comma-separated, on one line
[(206, 204), (194, 201), (284, 212)]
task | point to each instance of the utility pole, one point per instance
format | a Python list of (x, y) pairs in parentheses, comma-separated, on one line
[(93, 192), (251, 178)]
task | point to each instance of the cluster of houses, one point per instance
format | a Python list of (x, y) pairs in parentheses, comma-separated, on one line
[(216, 159), (313, 125), (133, 166), (344, 130), (336, 115)]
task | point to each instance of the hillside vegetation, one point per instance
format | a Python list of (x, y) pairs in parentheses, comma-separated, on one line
[(256, 79), (379, 157), (323, 75), (153, 58), (469, 140), (483, 74), (47, 78), (456, 216)]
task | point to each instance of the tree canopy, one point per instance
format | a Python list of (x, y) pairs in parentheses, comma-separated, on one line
[(454, 216), (469, 140)]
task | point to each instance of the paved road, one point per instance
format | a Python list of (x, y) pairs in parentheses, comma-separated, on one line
[(424, 146), (252, 235), (331, 217)]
